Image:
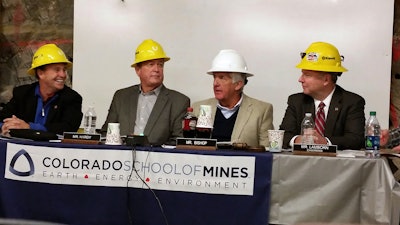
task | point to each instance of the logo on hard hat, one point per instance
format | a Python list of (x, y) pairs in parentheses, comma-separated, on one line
[(312, 56), (328, 58)]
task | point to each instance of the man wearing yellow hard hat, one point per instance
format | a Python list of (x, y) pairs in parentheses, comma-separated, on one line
[(46, 105), (149, 108), (341, 112)]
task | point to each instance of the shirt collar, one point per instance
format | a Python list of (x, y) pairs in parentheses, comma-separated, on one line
[(37, 93), (155, 91), (326, 101), (234, 108)]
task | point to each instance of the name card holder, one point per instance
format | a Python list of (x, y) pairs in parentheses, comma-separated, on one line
[(79, 138), (315, 149), (196, 143)]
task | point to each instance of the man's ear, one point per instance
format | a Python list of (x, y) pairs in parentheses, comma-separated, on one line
[(39, 72), (239, 85)]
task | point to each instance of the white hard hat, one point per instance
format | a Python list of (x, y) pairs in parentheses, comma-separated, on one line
[(229, 60)]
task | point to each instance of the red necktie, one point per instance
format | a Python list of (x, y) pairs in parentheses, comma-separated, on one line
[(320, 119)]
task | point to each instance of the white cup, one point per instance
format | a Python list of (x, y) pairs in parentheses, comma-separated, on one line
[(204, 119), (113, 135), (275, 140)]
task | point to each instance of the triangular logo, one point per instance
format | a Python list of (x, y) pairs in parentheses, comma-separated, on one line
[(20, 153)]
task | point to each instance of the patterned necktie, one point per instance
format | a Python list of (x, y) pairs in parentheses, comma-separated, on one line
[(320, 119)]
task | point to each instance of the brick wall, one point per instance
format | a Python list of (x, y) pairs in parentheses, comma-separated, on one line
[(25, 26)]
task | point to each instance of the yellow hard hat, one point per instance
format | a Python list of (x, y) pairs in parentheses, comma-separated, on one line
[(149, 50), (321, 56), (48, 54)]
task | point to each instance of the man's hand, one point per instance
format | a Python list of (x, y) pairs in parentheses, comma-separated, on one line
[(384, 137), (319, 139), (13, 123)]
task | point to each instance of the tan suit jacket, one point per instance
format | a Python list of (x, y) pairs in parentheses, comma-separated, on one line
[(253, 121)]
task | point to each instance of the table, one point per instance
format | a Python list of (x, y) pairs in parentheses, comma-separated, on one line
[(317, 189), (304, 190), (73, 184)]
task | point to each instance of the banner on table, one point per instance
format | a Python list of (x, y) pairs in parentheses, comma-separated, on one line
[(232, 175)]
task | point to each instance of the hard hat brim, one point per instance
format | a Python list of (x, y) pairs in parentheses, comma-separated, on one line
[(322, 68), (31, 71), (247, 73), (139, 61)]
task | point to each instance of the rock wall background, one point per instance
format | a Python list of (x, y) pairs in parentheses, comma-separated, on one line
[(25, 26)]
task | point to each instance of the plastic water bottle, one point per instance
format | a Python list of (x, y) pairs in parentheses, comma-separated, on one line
[(372, 136), (89, 121), (307, 129), (189, 124)]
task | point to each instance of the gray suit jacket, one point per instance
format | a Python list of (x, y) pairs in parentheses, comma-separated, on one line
[(344, 123), (252, 123), (165, 120)]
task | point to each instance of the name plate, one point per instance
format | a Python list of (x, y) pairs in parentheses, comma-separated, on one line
[(196, 143), (79, 138), (315, 149)]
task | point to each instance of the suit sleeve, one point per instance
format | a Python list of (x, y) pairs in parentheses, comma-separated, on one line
[(290, 123), (266, 124), (112, 116), (70, 117), (353, 131), (177, 116), (8, 110), (22, 105)]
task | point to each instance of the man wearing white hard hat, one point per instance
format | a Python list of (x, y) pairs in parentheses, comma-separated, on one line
[(236, 117)]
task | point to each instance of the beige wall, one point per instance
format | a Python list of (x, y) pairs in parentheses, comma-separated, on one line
[(270, 34)]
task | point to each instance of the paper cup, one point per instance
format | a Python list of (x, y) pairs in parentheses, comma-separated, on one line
[(204, 123), (275, 140), (204, 119), (113, 136)]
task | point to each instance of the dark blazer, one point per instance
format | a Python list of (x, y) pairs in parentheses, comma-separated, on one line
[(344, 123), (165, 120), (64, 115)]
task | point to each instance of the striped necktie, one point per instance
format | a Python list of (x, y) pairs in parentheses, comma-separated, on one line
[(320, 119)]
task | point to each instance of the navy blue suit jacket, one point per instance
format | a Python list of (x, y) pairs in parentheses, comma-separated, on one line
[(344, 123), (65, 113)]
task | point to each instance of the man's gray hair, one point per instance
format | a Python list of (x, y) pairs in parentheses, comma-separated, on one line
[(236, 77)]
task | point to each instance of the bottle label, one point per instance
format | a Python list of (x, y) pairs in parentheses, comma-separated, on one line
[(93, 124), (189, 124), (192, 124), (372, 142), (89, 124)]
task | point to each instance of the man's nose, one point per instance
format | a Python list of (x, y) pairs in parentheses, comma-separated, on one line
[(63, 73), (301, 79)]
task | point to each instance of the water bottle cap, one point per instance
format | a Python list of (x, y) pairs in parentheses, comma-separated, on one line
[(308, 114), (372, 113)]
